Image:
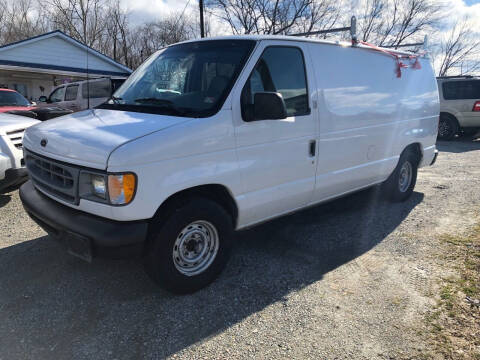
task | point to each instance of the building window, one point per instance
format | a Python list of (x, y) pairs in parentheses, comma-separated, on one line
[(21, 88)]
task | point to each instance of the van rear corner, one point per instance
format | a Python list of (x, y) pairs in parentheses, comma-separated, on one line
[(429, 156)]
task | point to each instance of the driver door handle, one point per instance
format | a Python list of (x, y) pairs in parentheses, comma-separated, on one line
[(312, 147)]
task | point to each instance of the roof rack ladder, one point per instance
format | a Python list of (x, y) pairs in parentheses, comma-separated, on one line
[(424, 44), (352, 29)]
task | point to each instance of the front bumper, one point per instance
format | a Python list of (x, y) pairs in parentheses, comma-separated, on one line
[(13, 177), (86, 235)]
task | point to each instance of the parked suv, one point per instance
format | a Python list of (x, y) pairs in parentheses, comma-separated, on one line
[(82, 95), (211, 136), (459, 105)]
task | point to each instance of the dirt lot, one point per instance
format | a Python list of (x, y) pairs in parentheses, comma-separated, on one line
[(351, 279)]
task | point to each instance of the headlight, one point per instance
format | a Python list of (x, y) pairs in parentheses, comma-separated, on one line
[(99, 188), (114, 189)]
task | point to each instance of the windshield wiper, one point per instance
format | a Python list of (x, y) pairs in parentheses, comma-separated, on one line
[(153, 100), (166, 104), (115, 99)]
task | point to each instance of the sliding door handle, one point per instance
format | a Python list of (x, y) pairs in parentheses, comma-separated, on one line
[(312, 147)]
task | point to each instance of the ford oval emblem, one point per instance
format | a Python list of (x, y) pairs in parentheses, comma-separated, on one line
[(43, 142)]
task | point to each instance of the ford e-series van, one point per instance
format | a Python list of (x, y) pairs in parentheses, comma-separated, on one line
[(217, 135)]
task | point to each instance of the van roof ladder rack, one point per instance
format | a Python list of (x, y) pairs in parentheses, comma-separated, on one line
[(456, 77), (423, 44), (352, 28)]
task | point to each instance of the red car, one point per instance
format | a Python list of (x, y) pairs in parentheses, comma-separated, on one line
[(10, 100), (15, 103)]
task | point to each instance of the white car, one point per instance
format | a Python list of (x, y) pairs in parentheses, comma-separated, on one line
[(12, 166), (217, 135), (459, 105)]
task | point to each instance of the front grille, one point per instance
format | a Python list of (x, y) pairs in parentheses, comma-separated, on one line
[(54, 177), (16, 137)]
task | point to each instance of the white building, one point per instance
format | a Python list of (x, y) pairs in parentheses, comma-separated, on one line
[(35, 65)]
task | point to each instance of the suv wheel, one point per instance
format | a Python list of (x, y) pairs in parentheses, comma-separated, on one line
[(447, 127), (400, 184), (190, 249)]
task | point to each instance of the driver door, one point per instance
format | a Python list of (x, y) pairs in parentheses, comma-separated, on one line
[(277, 158)]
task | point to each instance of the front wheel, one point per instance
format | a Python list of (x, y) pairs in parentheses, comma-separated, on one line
[(400, 184), (190, 249)]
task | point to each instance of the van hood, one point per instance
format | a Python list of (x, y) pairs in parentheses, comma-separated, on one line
[(88, 138)]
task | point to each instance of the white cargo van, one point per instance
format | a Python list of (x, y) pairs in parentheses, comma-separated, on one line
[(212, 136)]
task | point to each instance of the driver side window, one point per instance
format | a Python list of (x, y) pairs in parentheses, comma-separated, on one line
[(279, 69), (57, 95)]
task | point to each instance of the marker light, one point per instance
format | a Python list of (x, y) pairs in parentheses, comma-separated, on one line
[(121, 188)]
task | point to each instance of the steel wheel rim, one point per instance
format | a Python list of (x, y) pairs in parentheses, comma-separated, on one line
[(405, 178), (195, 248)]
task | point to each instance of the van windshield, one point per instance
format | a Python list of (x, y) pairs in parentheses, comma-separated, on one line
[(191, 79)]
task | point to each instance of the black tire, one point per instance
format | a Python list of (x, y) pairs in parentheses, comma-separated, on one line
[(394, 188), (447, 127), (166, 234)]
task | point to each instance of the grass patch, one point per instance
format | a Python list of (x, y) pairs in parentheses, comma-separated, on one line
[(454, 323)]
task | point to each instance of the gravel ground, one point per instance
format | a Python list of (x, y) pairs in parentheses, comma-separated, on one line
[(351, 279)]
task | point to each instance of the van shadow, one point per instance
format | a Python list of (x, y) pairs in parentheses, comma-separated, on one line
[(110, 309), (460, 145), (4, 199)]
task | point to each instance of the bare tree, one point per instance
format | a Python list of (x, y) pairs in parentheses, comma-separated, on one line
[(21, 19), (394, 22), (148, 38), (372, 11), (81, 19), (274, 16), (115, 41), (459, 50)]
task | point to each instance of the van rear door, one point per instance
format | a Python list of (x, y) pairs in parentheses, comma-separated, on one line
[(277, 158)]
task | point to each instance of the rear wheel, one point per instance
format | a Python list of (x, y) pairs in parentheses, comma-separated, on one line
[(400, 184), (447, 127), (190, 249)]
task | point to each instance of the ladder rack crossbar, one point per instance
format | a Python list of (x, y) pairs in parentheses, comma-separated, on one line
[(352, 29), (403, 45), (323, 31)]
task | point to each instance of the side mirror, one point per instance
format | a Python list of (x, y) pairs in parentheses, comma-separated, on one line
[(269, 106), (42, 99)]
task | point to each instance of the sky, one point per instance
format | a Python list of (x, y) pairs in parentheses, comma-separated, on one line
[(145, 10)]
